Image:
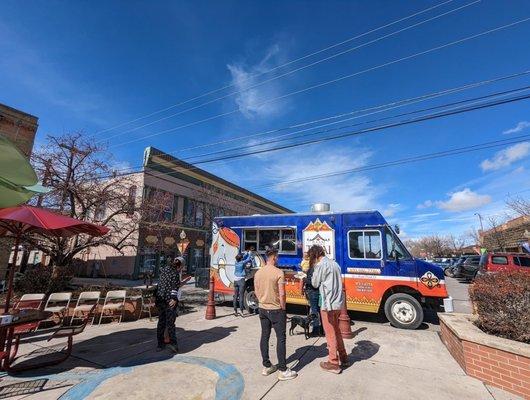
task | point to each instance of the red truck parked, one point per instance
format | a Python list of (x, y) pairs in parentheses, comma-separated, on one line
[(506, 262)]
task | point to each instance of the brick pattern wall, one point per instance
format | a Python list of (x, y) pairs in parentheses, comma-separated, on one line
[(498, 368)]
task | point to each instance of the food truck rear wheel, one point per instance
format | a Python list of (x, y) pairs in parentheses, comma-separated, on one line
[(403, 311)]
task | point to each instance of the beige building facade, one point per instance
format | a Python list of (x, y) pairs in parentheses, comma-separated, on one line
[(178, 203)]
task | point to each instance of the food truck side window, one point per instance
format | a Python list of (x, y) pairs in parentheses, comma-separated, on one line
[(284, 239), (365, 244)]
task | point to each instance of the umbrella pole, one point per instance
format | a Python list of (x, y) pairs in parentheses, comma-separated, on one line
[(11, 275)]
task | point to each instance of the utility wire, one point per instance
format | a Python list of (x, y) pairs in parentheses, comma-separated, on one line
[(255, 75), (276, 140), (397, 104), (371, 129), (395, 61), (381, 108), (408, 160), (292, 71), (427, 117)]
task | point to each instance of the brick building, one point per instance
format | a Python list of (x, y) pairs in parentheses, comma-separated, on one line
[(20, 128), (192, 197), (507, 237)]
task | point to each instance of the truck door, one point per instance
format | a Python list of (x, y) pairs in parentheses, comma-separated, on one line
[(362, 255), (398, 260)]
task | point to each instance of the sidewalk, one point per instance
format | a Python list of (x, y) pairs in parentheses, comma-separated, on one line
[(220, 359)]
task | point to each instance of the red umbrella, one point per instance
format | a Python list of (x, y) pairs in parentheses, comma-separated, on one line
[(26, 219)]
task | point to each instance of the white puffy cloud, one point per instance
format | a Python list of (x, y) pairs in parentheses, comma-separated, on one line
[(521, 126), (425, 204), (464, 200), (353, 191), (252, 101), (506, 157)]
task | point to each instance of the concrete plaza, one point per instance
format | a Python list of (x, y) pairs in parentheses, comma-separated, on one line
[(220, 359)]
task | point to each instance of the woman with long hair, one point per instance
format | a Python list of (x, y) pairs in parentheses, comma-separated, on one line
[(327, 277)]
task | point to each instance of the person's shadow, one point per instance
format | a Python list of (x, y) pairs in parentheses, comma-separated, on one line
[(121, 349), (305, 355)]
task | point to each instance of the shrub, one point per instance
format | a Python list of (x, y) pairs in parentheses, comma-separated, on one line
[(41, 280), (502, 301)]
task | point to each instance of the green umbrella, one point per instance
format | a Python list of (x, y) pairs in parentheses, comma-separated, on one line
[(18, 180)]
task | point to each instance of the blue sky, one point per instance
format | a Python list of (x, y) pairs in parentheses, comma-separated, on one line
[(92, 66)]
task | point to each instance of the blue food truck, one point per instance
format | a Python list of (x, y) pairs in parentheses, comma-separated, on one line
[(379, 272)]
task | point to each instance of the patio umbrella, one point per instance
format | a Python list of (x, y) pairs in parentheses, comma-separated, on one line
[(18, 181), (27, 219)]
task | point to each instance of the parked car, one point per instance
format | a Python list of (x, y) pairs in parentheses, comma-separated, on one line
[(468, 269), (496, 262), (452, 269)]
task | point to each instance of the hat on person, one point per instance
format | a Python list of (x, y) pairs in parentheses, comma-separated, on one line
[(179, 259)]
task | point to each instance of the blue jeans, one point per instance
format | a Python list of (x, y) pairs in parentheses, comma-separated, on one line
[(239, 292), (312, 296)]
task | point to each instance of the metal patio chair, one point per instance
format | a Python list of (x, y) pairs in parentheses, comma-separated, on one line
[(114, 301), (58, 303), (85, 304)]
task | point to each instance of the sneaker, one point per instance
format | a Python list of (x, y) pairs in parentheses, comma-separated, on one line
[(269, 370), (287, 374), (236, 314), (329, 367), (173, 347)]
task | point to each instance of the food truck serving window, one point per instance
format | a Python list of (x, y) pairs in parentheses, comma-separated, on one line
[(282, 239), (365, 244)]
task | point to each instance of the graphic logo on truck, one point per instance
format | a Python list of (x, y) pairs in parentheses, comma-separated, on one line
[(318, 232)]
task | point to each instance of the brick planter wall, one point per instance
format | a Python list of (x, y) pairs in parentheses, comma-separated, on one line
[(496, 361)]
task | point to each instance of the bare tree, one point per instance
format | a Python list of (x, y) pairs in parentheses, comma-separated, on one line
[(84, 186), (497, 234), (519, 206), (456, 244)]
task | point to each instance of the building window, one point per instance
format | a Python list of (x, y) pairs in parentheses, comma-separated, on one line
[(189, 212), (364, 245), (281, 239), (199, 214)]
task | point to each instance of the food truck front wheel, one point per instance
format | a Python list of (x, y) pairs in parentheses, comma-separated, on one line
[(403, 311)]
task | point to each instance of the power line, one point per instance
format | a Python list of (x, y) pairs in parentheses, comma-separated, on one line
[(408, 160), (252, 76), (378, 108), (473, 101), (293, 71), (395, 61), (381, 108), (427, 117), (372, 129)]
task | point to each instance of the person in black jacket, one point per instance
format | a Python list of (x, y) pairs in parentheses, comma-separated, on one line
[(166, 301), (312, 295)]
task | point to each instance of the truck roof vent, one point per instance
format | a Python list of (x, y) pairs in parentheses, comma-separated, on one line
[(320, 207)]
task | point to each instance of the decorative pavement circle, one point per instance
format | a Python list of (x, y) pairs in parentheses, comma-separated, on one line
[(180, 376)]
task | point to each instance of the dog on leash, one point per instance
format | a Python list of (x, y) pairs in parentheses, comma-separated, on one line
[(303, 322)]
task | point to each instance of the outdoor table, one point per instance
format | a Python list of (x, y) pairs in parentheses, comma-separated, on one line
[(20, 317)]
